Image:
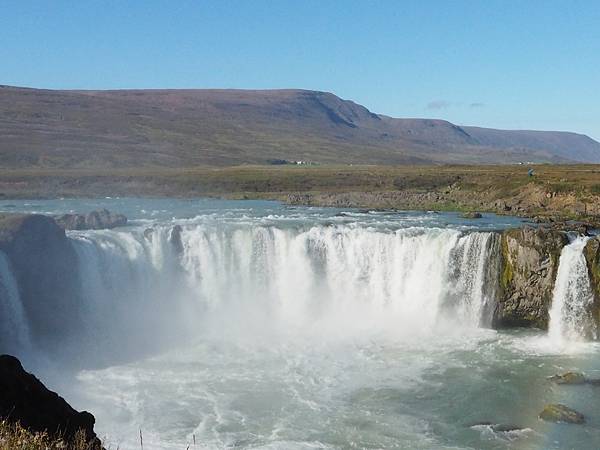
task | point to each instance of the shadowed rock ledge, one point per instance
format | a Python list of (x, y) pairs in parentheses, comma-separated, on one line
[(25, 400), (44, 263)]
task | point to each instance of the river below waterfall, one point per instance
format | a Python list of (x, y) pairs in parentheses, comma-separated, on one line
[(228, 324)]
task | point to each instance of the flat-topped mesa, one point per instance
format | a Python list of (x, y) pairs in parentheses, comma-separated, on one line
[(530, 258), (95, 220)]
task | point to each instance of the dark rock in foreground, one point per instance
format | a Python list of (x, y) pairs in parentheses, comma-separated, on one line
[(24, 399), (498, 427), (95, 220), (556, 412)]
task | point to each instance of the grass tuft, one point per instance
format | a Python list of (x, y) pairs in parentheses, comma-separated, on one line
[(14, 437)]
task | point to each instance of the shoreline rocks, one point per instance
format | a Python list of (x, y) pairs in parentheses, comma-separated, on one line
[(96, 220), (471, 215), (25, 399)]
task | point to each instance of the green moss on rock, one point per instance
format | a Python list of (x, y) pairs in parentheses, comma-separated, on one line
[(507, 267), (592, 257), (529, 265)]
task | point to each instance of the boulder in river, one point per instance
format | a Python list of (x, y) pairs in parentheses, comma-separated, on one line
[(555, 412), (24, 399), (95, 220), (471, 215), (568, 378)]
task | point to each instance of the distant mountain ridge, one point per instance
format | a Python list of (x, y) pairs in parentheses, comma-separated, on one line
[(183, 128)]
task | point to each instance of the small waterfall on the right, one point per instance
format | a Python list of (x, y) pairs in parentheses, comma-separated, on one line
[(570, 314)]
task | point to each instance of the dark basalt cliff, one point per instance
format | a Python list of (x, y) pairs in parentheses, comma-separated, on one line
[(25, 400)]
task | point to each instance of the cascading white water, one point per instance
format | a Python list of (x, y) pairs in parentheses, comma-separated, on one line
[(13, 322), (570, 316), (476, 263), (138, 286), (348, 278), (129, 286)]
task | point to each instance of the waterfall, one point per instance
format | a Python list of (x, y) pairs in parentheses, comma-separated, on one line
[(141, 286), (129, 286), (474, 282), (14, 337), (350, 277), (570, 314)]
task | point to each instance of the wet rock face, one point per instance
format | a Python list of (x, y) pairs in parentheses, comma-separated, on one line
[(530, 259), (45, 266), (24, 399), (592, 257), (175, 239), (95, 220), (560, 413)]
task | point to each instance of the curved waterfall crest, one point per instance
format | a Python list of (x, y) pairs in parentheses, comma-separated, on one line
[(166, 279), (348, 274), (174, 280)]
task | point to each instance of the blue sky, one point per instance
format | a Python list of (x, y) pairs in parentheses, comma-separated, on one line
[(505, 64)]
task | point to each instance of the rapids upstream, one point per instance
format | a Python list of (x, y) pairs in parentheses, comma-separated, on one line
[(256, 325)]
